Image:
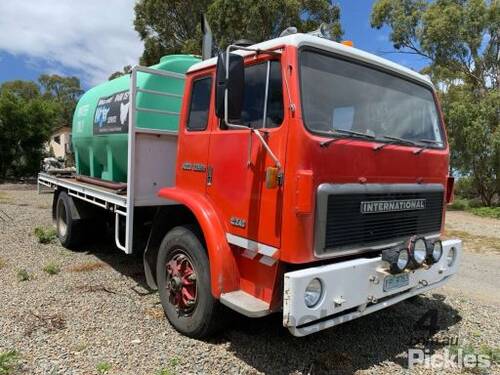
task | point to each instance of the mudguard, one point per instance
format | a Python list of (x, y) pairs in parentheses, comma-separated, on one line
[(223, 268)]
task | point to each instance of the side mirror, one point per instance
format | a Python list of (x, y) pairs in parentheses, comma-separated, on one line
[(232, 80)]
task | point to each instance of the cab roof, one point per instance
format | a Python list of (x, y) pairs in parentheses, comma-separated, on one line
[(300, 40)]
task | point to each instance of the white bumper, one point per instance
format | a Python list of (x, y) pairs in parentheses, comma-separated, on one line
[(355, 288)]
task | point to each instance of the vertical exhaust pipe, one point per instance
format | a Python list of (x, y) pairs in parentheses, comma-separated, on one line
[(208, 39)]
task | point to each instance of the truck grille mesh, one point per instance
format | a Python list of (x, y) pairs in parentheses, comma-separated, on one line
[(346, 226)]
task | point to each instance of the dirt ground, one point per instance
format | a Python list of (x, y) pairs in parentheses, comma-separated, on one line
[(89, 312)]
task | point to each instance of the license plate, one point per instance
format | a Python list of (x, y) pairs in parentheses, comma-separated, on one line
[(396, 281)]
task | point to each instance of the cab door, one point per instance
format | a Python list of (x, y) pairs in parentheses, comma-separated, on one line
[(238, 160)]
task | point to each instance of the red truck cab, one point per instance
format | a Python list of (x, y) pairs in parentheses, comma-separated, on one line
[(338, 161)]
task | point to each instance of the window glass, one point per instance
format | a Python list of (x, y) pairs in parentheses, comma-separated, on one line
[(200, 104), (254, 104), (338, 94), (275, 112)]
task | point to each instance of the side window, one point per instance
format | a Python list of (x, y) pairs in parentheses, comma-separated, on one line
[(261, 81), (200, 104)]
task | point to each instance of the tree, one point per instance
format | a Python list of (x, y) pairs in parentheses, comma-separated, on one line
[(169, 26), (64, 92), (126, 70), (26, 122), (461, 40)]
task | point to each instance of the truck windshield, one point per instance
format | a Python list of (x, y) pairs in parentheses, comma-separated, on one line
[(338, 95)]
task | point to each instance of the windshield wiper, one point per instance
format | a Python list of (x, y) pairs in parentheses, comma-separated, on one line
[(343, 133), (421, 148)]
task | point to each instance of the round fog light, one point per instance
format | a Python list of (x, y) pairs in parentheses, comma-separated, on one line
[(313, 293), (437, 251), (419, 251), (398, 259), (450, 258), (403, 259)]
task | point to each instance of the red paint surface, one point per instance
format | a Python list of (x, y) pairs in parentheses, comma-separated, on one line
[(282, 217)]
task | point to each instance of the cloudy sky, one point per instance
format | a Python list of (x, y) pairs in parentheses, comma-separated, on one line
[(93, 38), (90, 38)]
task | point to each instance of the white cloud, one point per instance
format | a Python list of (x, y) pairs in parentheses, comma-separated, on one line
[(93, 36)]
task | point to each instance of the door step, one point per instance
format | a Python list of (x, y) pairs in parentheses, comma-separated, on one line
[(245, 304)]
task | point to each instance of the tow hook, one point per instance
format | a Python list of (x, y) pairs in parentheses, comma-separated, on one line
[(372, 299), (424, 283)]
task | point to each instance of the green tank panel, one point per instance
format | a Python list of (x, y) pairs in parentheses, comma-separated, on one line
[(100, 121)]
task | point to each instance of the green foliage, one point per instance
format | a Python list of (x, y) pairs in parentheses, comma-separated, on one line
[(103, 367), (64, 92), (464, 188), (8, 361), (23, 275), (459, 204), (126, 70), (230, 20), (460, 39), (164, 371), (52, 269), (45, 235), (29, 112), (493, 212)]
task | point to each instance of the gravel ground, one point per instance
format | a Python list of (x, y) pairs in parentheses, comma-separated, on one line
[(97, 312)]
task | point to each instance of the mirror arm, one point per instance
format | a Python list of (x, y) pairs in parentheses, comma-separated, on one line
[(226, 107)]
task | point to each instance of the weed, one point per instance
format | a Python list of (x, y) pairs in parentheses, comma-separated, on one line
[(173, 362), (23, 275), (164, 371), (52, 269), (87, 267), (3, 263), (493, 212), (459, 204), (103, 367), (8, 360), (45, 235)]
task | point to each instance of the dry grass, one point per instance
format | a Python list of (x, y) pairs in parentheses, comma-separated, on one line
[(4, 197), (48, 323), (86, 267), (155, 313), (474, 243)]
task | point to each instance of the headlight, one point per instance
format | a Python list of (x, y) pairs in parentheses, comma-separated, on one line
[(313, 293), (419, 251), (451, 256), (437, 251), (398, 259)]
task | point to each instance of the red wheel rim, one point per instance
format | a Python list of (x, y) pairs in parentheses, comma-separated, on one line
[(181, 283)]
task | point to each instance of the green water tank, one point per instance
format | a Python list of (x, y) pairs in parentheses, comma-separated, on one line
[(100, 121)]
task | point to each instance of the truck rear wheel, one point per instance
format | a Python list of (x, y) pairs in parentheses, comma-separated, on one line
[(183, 278), (69, 231)]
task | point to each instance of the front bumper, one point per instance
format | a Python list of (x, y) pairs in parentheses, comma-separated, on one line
[(355, 288)]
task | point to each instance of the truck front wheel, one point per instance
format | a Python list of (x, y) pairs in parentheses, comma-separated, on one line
[(183, 278)]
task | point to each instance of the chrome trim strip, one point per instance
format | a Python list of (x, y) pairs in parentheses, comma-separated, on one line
[(245, 243)]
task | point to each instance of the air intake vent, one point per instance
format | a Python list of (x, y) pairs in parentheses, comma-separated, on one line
[(374, 215)]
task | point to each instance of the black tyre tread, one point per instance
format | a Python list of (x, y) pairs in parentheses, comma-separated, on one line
[(212, 312), (75, 229)]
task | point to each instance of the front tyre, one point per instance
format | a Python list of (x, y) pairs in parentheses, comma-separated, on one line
[(183, 278)]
